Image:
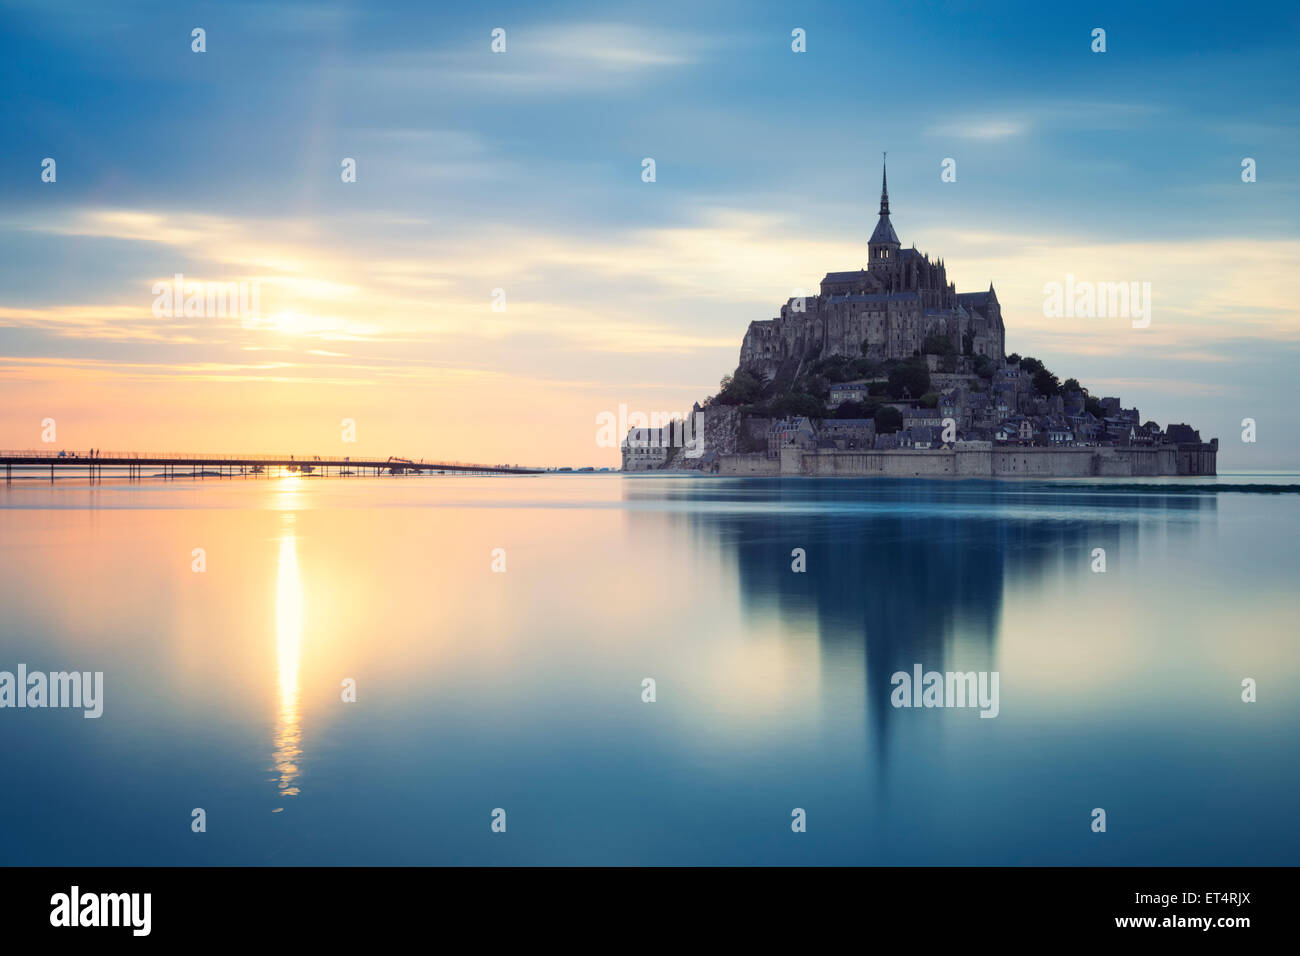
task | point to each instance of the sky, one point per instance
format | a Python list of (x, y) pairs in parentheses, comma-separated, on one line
[(521, 171)]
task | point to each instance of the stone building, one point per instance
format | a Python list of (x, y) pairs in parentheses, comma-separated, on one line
[(885, 311), (842, 392), (849, 433), (646, 449), (797, 432)]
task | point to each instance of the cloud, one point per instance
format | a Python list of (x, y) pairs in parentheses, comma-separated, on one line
[(991, 128), (616, 48), (1021, 119), (578, 57), (671, 301)]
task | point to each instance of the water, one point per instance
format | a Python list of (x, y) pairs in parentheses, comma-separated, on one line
[(522, 690)]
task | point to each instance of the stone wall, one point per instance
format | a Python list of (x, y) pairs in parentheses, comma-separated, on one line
[(981, 460), (749, 465), (1018, 462), (1198, 459)]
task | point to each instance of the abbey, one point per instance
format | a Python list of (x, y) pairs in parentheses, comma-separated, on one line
[(890, 371), (885, 311)]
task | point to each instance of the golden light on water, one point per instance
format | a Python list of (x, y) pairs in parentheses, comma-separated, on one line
[(288, 639)]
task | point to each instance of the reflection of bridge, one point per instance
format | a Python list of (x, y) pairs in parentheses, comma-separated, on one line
[(232, 466)]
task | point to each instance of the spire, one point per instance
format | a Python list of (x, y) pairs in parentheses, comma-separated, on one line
[(883, 246), (884, 186)]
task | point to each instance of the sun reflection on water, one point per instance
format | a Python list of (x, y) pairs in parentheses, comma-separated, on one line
[(288, 639)]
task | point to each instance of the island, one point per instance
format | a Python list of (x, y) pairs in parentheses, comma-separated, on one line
[(889, 370)]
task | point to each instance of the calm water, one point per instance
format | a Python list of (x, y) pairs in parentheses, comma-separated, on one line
[(522, 690)]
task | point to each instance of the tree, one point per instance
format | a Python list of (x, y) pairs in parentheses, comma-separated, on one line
[(798, 403), (833, 367), (1013, 358), (851, 410), (864, 367), (983, 366), (1071, 385), (910, 377), (1046, 384), (817, 386), (888, 420), (742, 388)]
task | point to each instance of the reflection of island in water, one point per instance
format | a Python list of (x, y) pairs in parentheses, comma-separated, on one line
[(905, 571)]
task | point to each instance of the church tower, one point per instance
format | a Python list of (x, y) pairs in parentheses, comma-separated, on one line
[(883, 246)]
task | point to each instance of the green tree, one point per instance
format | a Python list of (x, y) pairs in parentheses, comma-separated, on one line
[(910, 378), (742, 388), (864, 367), (1046, 384), (798, 403), (817, 386), (888, 420)]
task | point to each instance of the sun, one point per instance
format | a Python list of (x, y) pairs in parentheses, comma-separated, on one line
[(290, 322)]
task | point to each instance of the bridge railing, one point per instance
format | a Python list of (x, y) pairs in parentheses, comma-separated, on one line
[(81, 453), (78, 454)]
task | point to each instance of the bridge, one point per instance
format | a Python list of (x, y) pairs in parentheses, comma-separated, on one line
[(132, 465)]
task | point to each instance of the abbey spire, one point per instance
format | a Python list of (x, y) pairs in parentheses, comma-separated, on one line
[(883, 246), (884, 186)]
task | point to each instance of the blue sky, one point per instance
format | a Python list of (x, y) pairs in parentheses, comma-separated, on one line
[(522, 170)]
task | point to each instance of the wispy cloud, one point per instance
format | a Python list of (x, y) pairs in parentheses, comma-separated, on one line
[(571, 289), (1021, 119), (588, 57), (987, 128)]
